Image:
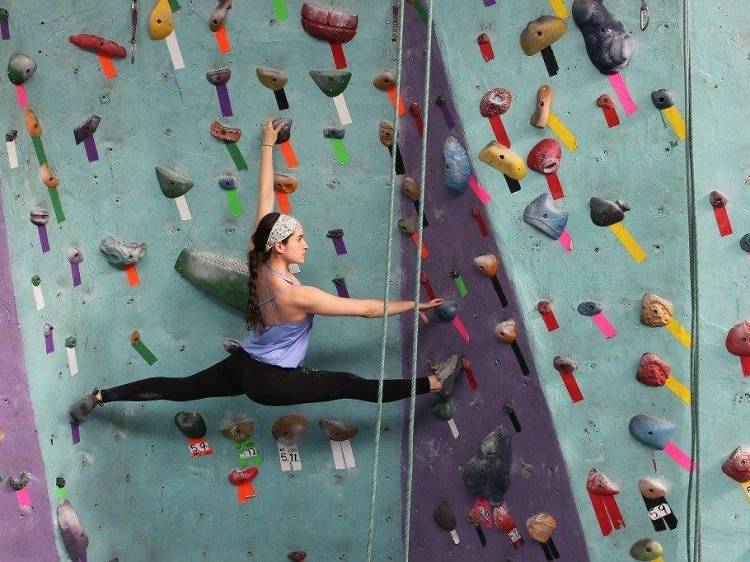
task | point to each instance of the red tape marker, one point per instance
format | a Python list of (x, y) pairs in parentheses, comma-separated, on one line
[(337, 50), (571, 385), (499, 129), (555, 187), (548, 315), (417, 115), (719, 203), (504, 521), (607, 104), (470, 378), (485, 47), (745, 362), (476, 213)]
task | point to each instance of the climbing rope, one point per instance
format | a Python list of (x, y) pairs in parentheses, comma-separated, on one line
[(386, 291), (693, 502)]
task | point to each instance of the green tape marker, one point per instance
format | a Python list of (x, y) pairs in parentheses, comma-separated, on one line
[(235, 206), (421, 11), (140, 347), (339, 149), (60, 493), (462, 290), (234, 152), (56, 205), (174, 5), (279, 9), (247, 453), (39, 149)]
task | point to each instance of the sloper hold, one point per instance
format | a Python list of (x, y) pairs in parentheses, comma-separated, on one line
[(506, 332), (544, 215), (74, 537), (191, 424), (662, 99), (545, 156), (285, 183), (605, 212), (651, 431), (237, 477), (223, 277), (717, 199), (334, 26), (646, 549), (652, 370), (99, 45), (285, 129), (271, 78), (504, 160), (224, 132), (444, 516), (564, 364), (605, 100), (487, 264), (495, 102), (487, 473), (160, 22), (86, 128), (410, 188), (544, 307), (457, 169), (385, 80), (541, 33), (74, 256), (543, 106), (656, 311), (651, 488), (288, 429), (600, 484), (589, 308), (608, 45), (745, 242), (172, 184), (737, 466), (219, 76), (541, 527), (120, 253), (219, 15), (48, 178), (738, 339), (337, 430), (20, 68), (331, 82)]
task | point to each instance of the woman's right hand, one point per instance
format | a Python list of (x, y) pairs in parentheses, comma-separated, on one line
[(434, 303), (270, 133)]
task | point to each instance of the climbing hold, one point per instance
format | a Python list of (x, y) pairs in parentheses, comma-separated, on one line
[(271, 78), (335, 233), (224, 277), (487, 264), (48, 329), (238, 430), (70, 341), (651, 488), (495, 102), (120, 253), (99, 45), (541, 33), (238, 477), (219, 77), (48, 178), (75, 255), (331, 82), (717, 199), (652, 431), (172, 184), (589, 308), (652, 370), (504, 160), (385, 80), (86, 128), (745, 242), (284, 125), (544, 215), (334, 26), (738, 339), (608, 45), (564, 364), (11, 135), (385, 132), (543, 106), (39, 216), (297, 556), (447, 310), (605, 212), (337, 430), (457, 169), (288, 429), (191, 424), (410, 188), (135, 337), (60, 482), (284, 183), (20, 68), (663, 99), (444, 517), (219, 15), (605, 100), (600, 484), (32, 123), (229, 182), (737, 466), (225, 133), (74, 537), (545, 156), (444, 408), (160, 22), (487, 474), (541, 527), (231, 344), (505, 331), (19, 484), (544, 307), (646, 549), (334, 133), (656, 311)]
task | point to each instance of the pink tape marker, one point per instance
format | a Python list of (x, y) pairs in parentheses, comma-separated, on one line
[(460, 328), (23, 498), (679, 456), (622, 92), (479, 191), (21, 96), (566, 241), (598, 318)]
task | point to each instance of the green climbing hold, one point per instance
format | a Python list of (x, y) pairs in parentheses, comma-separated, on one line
[(172, 184), (191, 424), (36, 280), (331, 82), (223, 277), (445, 409), (70, 342)]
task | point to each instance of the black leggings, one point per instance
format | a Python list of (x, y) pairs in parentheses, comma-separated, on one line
[(265, 384)]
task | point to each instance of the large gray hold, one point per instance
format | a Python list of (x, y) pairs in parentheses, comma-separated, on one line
[(120, 253), (608, 45), (487, 473), (74, 537)]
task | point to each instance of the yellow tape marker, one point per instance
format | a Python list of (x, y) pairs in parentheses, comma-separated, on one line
[(679, 333), (659, 559), (675, 119), (628, 242), (558, 6), (746, 489), (680, 390), (562, 132)]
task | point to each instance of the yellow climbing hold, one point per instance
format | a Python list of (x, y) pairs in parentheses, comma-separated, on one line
[(160, 22)]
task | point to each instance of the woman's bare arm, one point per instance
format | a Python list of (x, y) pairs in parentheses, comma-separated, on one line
[(265, 178)]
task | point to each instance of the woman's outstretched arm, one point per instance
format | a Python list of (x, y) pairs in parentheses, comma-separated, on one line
[(265, 178)]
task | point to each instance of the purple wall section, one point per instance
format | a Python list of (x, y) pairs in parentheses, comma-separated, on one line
[(539, 478), (23, 536)]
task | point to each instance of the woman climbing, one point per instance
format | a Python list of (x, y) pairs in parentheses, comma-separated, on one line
[(266, 368)]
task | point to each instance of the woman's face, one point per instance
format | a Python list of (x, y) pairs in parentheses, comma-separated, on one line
[(295, 247)]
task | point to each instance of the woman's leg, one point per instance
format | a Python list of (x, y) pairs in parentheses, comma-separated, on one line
[(277, 386)]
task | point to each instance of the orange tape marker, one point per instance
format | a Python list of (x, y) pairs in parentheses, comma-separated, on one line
[(401, 103), (108, 67), (287, 151), (131, 273), (222, 40), (285, 206)]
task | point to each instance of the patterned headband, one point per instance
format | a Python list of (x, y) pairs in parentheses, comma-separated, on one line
[(282, 228)]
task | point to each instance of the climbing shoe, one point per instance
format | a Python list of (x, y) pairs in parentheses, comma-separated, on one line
[(447, 372)]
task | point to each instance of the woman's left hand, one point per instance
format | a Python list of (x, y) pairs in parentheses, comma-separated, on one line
[(434, 303)]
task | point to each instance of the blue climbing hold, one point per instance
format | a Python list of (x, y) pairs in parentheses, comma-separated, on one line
[(457, 165), (651, 431)]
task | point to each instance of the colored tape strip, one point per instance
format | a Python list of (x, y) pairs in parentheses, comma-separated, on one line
[(56, 204), (144, 352), (722, 221), (43, 238), (90, 145), (746, 489), (550, 321), (449, 122), (488, 3), (613, 510), (339, 58), (339, 150), (341, 108), (499, 291), (131, 274), (628, 242), (604, 325), (462, 290), (520, 358), (75, 433), (280, 10), (623, 94), (285, 205), (49, 343), (237, 158), (421, 12), (222, 40), (339, 246), (174, 51), (680, 390), (572, 386), (425, 252), (679, 456), (233, 199), (550, 62), (566, 241), (4, 30), (501, 135), (745, 364), (679, 332), (428, 287), (245, 491), (39, 149), (21, 99), (108, 67), (401, 103), (610, 116), (174, 5), (224, 103), (555, 187), (287, 151), (460, 328), (675, 119), (488, 53), (23, 498), (558, 6), (562, 132), (12, 154), (60, 493), (182, 208), (477, 214), (75, 272), (481, 193)]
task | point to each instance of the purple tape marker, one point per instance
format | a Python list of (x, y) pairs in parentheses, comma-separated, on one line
[(43, 238), (337, 235), (4, 29), (443, 105), (75, 432), (49, 342), (224, 103), (91, 152), (489, 3), (341, 289), (76, 274)]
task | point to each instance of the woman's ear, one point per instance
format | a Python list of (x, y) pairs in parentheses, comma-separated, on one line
[(280, 247)]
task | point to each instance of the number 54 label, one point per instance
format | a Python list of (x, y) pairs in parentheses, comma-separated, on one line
[(199, 447)]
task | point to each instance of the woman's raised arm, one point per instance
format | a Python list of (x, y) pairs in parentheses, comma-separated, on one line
[(265, 177)]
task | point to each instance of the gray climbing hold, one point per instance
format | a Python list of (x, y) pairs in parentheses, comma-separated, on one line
[(11, 135), (39, 216), (663, 99), (74, 255), (745, 242), (651, 431), (331, 82), (219, 77), (544, 215), (564, 364), (487, 474), (605, 212), (172, 184), (334, 133), (228, 182), (86, 128), (20, 68), (219, 15), (120, 253), (231, 344), (444, 408), (447, 310), (457, 169), (191, 424), (589, 308), (271, 78), (285, 131), (447, 372), (74, 537), (608, 45)]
